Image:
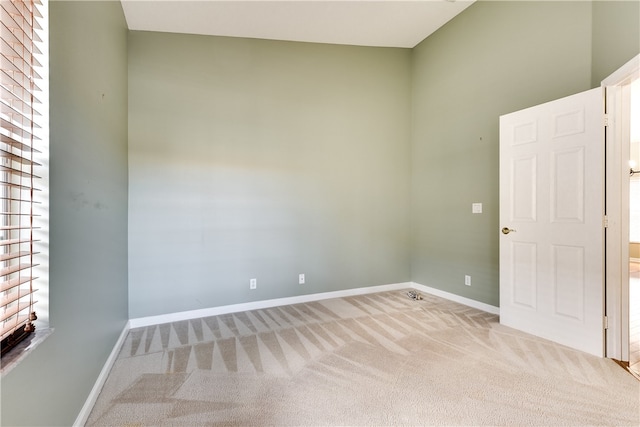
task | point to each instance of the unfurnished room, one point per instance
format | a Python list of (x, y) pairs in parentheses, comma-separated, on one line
[(320, 213)]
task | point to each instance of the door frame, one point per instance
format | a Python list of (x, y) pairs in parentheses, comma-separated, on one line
[(616, 90)]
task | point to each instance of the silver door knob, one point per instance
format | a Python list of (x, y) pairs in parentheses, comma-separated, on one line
[(507, 230)]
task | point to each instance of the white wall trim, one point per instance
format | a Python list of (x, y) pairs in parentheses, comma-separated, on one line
[(257, 305), (634, 259), (83, 416), (457, 298), (628, 71), (617, 202)]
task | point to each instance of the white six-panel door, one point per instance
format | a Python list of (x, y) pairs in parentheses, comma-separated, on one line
[(551, 216)]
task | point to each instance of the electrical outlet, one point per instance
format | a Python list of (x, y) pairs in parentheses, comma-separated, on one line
[(253, 283), (301, 279), (467, 280)]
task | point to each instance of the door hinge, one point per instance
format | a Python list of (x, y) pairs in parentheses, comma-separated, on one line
[(605, 221), (606, 120), (606, 322)]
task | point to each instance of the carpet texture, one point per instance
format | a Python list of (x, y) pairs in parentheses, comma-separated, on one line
[(379, 359)]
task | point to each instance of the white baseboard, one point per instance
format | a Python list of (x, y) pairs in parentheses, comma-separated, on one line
[(257, 305), (634, 259), (81, 420), (457, 298)]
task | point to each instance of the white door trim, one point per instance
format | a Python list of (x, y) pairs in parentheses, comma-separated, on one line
[(617, 209)]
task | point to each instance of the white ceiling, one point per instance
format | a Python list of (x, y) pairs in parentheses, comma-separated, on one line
[(386, 23)]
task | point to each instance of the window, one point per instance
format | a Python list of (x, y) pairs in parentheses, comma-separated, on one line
[(21, 122)]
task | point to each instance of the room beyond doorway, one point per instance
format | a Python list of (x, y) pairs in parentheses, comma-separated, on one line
[(634, 228)]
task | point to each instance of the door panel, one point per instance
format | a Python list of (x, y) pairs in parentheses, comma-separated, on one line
[(551, 198), (569, 281), (567, 195), (523, 266), (523, 194)]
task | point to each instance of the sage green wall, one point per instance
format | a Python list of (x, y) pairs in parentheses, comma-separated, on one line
[(88, 216), (264, 159), (616, 36), (267, 159), (494, 58)]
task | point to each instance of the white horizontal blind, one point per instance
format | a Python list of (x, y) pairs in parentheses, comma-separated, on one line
[(18, 170)]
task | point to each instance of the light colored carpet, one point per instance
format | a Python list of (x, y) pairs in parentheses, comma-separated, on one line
[(378, 359)]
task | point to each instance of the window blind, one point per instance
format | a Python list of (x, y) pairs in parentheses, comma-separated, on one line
[(18, 169)]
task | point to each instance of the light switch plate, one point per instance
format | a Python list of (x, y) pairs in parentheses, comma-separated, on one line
[(476, 208)]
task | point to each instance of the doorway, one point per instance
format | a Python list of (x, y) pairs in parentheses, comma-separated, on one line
[(622, 320), (634, 229), (564, 295)]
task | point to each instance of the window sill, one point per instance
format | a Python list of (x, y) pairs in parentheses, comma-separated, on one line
[(22, 350)]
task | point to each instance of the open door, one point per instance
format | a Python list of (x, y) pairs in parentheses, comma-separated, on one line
[(618, 97), (551, 219)]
